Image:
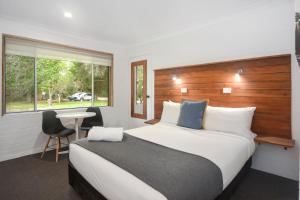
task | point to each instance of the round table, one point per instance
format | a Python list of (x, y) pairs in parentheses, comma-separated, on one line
[(76, 116)]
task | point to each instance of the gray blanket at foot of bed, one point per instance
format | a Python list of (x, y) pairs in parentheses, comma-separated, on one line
[(175, 174)]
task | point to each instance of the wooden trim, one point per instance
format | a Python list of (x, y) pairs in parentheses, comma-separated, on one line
[(145, 90), (152, 121), (265, 84), (144, 64), (285, 143), (111, 84)]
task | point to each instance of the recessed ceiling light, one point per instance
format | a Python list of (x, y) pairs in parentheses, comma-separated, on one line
[(68, 15)]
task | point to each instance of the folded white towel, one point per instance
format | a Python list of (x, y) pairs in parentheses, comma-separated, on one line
[(98, 133)]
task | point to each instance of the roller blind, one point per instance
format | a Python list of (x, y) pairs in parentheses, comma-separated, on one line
[(25, 47)]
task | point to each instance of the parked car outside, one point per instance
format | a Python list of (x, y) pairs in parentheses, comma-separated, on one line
[(87, 97), (78, 96)]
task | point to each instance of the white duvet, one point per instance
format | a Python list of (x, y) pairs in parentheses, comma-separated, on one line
[(229, 152)]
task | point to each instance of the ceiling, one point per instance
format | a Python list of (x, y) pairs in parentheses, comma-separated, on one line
[(121, 21)]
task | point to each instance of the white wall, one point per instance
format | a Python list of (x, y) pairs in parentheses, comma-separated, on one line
[(261, 31), (20, 134)]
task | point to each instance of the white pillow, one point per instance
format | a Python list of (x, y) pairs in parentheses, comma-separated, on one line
[(231, 120), (170, 113)]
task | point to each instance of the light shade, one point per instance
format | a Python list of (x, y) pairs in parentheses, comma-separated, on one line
[(178, 81), (237, 77)]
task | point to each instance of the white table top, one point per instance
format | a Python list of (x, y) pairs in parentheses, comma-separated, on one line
[(76, 115)]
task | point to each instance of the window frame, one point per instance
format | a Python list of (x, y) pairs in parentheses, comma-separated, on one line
[(133, 83), (88, 51)]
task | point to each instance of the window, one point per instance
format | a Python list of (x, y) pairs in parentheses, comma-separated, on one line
[(139, 89), (40, 76)]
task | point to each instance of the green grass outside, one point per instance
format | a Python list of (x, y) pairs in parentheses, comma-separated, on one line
[(43, 105)]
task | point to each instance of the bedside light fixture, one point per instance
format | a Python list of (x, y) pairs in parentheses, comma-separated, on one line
[(178, 81), (237, 76)]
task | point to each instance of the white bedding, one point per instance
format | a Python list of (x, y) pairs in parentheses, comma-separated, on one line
[(229, 152)]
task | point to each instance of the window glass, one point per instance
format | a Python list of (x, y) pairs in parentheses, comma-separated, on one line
[(63, 84), (19, 83), (41, 76), (139, 89), (101, 85)]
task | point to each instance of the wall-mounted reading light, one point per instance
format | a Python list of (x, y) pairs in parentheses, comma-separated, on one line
[(178, 81), (237, 76)]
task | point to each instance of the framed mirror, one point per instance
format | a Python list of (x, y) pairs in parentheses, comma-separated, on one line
[(139, 89)]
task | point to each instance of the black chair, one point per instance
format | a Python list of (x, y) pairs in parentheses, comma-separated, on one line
[(54, 128), (89, 122)]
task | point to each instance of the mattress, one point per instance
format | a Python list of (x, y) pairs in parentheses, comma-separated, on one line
[(229, 152)]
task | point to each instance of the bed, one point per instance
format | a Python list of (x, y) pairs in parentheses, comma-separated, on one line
[(95, 177)]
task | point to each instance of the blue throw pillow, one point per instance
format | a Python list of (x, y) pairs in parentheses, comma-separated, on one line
[(191, 114)]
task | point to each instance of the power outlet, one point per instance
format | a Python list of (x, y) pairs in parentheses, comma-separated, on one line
[(183, 90), (226, 90)]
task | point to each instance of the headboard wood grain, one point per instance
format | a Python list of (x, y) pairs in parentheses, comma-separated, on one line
[(264, 83)]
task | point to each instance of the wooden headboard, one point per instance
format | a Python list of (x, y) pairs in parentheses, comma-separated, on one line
[(264, 83)]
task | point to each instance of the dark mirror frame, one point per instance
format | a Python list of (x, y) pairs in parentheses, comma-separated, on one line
[(133, 82)]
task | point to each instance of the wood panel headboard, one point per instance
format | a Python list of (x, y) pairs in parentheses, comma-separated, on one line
[(264, 83)]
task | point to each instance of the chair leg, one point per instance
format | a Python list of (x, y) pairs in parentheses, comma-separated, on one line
[(59, 143), (57, 148), (86, 133), (46, 146)]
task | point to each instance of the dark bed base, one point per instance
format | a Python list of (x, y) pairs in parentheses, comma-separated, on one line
[(88, 192)]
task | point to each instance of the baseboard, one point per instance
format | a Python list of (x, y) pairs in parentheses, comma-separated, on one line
[(24, 153), (20, 154)]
